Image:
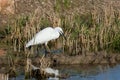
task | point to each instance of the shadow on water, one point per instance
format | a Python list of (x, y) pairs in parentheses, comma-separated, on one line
[(85, 72)]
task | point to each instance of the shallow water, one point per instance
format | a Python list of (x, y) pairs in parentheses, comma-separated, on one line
[(86, 72), (94, 72)]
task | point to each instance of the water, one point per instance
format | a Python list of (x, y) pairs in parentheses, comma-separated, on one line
[(86, 72), (98, 72)]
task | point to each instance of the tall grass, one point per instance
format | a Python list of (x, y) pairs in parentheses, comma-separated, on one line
[(94, 30)]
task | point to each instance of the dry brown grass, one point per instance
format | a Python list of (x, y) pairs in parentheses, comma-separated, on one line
[(7, 6), (4, 76), (89, 26)]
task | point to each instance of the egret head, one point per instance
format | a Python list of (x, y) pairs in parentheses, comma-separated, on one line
[(59, 29)]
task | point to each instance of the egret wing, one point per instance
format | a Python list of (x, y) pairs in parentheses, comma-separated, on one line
[(41, 37)]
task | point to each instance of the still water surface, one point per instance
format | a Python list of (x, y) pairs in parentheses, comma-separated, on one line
[(94, 72), (86, 72)]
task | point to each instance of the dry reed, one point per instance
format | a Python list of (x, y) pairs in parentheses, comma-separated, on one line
[(91, 28), (4, 76)]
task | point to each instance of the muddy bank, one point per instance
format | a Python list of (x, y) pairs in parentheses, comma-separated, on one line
[(90, 58), (58, 59)]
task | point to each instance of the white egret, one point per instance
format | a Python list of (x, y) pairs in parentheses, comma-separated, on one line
[(46, 35)]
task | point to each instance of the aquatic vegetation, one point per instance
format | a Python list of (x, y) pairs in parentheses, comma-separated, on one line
[(93, 29)]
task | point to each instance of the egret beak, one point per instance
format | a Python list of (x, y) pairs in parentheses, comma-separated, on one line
[(63, 36)]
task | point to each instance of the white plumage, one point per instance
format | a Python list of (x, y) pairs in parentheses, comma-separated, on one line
[(45, 35), (51, 71)]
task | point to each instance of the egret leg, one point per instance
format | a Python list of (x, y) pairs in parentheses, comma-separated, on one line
[(47, 50)]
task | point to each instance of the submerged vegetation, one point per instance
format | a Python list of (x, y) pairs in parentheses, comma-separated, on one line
[(96, 28)]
